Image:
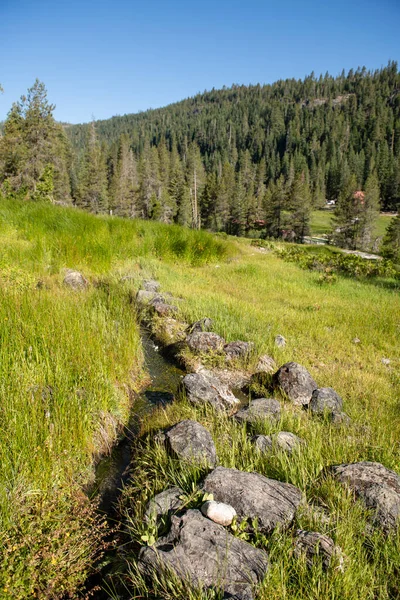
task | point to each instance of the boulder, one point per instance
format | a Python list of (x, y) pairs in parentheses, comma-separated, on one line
[(325, 400), (190, 441), (377, 486), (75, 280), (266, 364), (296, 382), (238, 349), (205, 341), (151, 285), (284, 440), (258, 410), (164, 503), (280, 341), (145, 297), (201, 325), (163, 309), (203, 388), (235, 379), (254, 496), (206, 555), (312, 544), (220, 513)]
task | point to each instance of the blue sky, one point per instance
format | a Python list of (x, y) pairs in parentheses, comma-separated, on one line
[(106, 58)]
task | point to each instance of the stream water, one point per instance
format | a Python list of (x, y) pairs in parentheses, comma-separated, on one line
[(111, 471)]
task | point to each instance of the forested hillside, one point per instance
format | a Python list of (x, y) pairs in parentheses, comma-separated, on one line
[(243, 159)]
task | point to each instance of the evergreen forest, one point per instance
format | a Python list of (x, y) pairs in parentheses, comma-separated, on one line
[(245, 160)]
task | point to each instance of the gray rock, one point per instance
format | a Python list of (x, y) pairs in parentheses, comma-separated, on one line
[(312, 544), (296, 382), (266, 364), (201, 325), (220, 513), (280, 341), (238, 349), (235, 379), (151, 285), (145, 297), (340, 418), (163, 309), (263, 442), (75, 280), (325, 400), (284, 440), (189, 440), (206, 555), (205, 341), (203, 388), (377, 486), (164, 503), (253, 496), (260, 409), (385, 361)]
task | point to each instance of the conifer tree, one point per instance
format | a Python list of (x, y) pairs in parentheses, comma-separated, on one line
[(93, 177), (124, 184), (299, 204), (391, 241), (33, 142)]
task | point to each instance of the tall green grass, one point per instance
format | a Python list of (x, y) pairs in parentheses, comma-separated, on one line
[(340, 333), (68, 363)]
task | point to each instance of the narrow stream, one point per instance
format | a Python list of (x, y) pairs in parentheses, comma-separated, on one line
[(111, 471)]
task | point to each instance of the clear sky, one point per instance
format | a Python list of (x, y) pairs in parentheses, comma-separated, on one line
[(102, 58)]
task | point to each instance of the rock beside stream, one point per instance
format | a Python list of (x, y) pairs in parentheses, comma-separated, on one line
[(205, 341), (202, 388), (207, 555), (259, 410), (164, 504), (151, 285), (190, 441), (75, 280), (238, 349), (254, 496)]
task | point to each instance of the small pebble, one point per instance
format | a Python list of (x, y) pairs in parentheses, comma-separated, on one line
[(218, 512), (280, 341), (386, 361)]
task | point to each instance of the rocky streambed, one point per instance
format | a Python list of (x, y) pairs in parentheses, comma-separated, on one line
[(198, 544)]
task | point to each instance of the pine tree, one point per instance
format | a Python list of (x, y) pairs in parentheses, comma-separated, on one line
[(274, 205), (33, 142), (369, 213), (299, 204), (93, 177), (124, 183), (391, 242), (347, 213)]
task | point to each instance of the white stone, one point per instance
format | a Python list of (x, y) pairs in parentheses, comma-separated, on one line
[(219, 512)]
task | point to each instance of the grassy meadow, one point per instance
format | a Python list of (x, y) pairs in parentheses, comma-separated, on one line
[(70, 362), (255, 296), (321, 223)]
